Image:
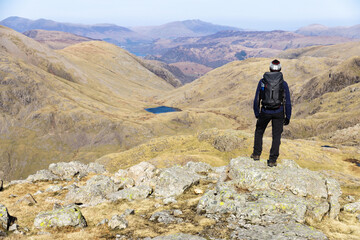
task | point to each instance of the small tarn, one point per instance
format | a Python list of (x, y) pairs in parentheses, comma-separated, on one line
[(162, 109)]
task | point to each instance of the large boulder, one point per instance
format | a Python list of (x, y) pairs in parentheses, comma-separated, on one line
[(68, 170), (94, 192), (43, 175), (141, 173), (69, 216), (174, 181), (133, 193), (262, 195), (4, 217)]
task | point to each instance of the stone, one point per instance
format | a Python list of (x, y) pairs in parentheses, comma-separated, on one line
[(177, 212), (68, 170), (129, 212), (227, 142), (54, 188), (131, 194), (118, 222), (277, 231), (68, 216), (350, 199), (13, 227), (43, 175), (38, 192), (2, 234), (103, 222), (28, 199), (352, 207), (334, 193), (358, 218), (6, 220), (174, 181), (142, 172), (94, 192), (262, 195), (198, 191), (164, 217), (169, 200), (198, 167), (57, 206), (178, 236)]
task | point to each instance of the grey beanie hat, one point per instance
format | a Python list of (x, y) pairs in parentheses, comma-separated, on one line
[(275, 65)]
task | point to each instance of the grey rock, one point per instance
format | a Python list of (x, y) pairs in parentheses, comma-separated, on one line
[(352, 207), (6, 220), (288, 231), (13, 227), (43, 175), (174, 181), (64, 217), (38, 192), (142, 172), (133, 193), (178, 236), (2, 234), (57, 206), (227, 142), (169, 200), (43, 233), (334, 193), (28, 199), (350, 199), (177, 212), (54, 188), (68, 170), (263, 195), (103, 222), (118, 222), (198, 167), (358, 218), (129, 212), (94, 192), (164, 217)]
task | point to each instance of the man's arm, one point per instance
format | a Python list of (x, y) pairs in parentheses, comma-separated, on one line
[(257, 101), (287, 101)]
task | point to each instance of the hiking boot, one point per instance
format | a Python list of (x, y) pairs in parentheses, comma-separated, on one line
[(271, 163), (255, 157)]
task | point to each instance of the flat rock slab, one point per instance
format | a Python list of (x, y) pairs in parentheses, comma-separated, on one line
[(63, 217), (174, 181)]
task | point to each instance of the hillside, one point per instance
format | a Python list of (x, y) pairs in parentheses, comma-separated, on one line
[(323, 89), (77, 103), (55, 39)]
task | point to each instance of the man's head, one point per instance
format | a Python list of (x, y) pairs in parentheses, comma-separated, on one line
[(275, 66)]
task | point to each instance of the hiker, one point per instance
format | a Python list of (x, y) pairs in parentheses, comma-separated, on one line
[(273, 94)]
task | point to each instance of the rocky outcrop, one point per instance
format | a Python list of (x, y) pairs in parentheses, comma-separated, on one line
[(174, 181), (94, 192), (352, 207), (63, 217), (260, 194), (130, 194), (68, 170)]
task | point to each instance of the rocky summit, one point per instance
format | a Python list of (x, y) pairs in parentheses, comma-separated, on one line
[(242, 200)]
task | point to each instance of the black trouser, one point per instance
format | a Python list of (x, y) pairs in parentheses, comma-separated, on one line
[(277, 121)]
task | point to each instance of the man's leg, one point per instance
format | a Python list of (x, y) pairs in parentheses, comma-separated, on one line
[(277, 129), (261, 125)]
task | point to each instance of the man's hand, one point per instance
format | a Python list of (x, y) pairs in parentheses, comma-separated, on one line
[(286, 121)]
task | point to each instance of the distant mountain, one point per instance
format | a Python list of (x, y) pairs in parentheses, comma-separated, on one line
[(222, 47), (108, 32), (56, 39), (321, 30), (188, 28)]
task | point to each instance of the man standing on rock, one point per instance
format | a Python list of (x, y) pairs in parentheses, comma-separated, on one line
[(273, 94)]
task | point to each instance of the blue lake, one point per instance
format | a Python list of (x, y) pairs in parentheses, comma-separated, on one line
[(162, 109)]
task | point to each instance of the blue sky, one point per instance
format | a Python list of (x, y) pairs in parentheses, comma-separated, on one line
[(249, 14)]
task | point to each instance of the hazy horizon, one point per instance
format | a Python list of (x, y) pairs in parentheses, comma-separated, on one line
[(256, 15)]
